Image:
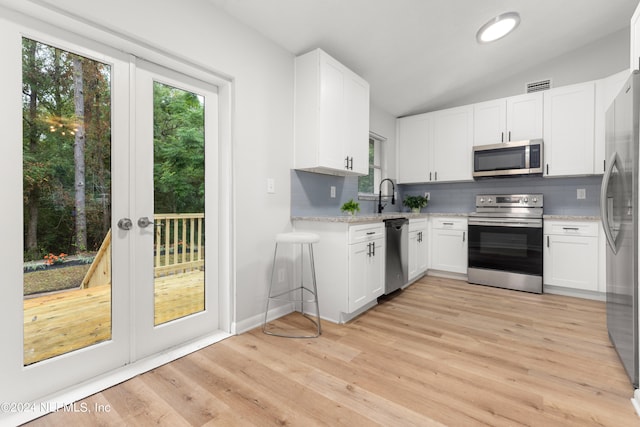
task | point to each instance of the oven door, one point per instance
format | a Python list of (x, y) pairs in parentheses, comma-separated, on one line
[(509, 245)]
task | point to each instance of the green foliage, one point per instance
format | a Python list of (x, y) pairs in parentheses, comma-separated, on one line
[(178, 150), (49, 124), (415, 202), (351, 207)]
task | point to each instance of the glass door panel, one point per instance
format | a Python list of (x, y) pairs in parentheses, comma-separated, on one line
[(175, 169), (66, 112), (179, 191)]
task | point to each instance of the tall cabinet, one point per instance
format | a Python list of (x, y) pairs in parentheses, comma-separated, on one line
[(331, 121), (569, 123)]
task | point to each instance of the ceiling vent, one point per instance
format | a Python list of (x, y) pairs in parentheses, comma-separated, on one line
[(538, 86)]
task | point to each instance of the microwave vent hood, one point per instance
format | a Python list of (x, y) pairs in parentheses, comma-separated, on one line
[(508, 159)]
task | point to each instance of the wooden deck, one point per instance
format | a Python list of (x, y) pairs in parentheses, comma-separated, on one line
[(66, 321)]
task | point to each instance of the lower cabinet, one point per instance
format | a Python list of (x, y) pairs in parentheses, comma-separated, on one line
[(449, 244), (349, 264), (418, 243), (571, 255)]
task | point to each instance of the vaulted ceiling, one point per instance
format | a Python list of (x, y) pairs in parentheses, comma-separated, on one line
[(417, 54)]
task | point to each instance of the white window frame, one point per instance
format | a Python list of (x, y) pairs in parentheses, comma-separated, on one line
[(378, 165)]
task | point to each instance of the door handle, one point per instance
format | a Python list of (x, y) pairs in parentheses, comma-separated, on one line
[(144, 222), (604, 212), (125, 224)]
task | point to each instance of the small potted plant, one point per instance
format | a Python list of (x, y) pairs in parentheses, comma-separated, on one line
[(351, 207), (415, 203)]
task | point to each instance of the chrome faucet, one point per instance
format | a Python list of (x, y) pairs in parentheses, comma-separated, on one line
[(393, 194)]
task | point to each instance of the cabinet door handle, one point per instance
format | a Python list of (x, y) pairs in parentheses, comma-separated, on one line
[(464, 236), (604, 165), (570, 228), (436, 175), (368, 249), (374, 248), (351, 163), (509, 135), (429, 176), (547, 241), (346, 162), (447, 223), (547, 168), (370, 233), (501, 136)]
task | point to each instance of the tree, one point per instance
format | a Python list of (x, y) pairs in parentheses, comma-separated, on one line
[(78, 156)]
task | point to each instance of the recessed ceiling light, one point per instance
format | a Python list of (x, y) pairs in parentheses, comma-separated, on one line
[(498, 27)]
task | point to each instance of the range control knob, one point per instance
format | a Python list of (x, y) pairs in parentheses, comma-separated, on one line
[(535, 200), (481, 199), (526, 200), (489, 200)]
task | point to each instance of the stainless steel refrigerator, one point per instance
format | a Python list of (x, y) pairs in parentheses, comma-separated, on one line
[(619, 214)]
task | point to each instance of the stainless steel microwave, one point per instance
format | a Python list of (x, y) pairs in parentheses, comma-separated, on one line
[(508, 159)]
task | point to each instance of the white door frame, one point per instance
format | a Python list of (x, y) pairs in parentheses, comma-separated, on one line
[(91, 37)]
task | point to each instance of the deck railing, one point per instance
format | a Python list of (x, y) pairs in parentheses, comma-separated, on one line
[(178, 243), (178, 247)]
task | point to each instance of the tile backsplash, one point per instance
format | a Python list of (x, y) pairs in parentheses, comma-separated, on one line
[(311, 194)]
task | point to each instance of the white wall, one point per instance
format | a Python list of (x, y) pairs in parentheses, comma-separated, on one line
[(262, 113), (599, 59)]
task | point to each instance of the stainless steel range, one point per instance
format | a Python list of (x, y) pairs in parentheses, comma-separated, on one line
[(505, 241)]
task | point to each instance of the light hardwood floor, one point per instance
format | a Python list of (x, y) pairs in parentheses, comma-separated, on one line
[(442, 352)]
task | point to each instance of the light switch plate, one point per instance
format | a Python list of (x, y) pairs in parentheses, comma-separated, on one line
[(581, 193), (333, 191)]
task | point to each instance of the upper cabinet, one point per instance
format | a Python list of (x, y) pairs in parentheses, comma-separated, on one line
[(331, 122), (569, 120), (606, 91), (451, 146), (413, 135), (515, 118), (634, 57), (435, 147)]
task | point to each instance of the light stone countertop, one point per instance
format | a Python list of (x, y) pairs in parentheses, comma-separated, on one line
[(571, 217), (364, 218)]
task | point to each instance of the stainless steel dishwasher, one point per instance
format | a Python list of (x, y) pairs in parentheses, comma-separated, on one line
[(397, 247)]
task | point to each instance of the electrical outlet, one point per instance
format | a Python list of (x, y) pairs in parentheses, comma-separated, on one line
[(333, 191), (280, 275), (271, 185), (582, 193), (427, 195)]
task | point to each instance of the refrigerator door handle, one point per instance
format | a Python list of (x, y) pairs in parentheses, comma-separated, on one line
[(604, 211)]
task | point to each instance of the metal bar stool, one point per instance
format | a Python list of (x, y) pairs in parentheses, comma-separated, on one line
[(290, 295)]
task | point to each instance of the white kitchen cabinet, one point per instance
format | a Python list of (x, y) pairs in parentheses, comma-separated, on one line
[(515, 118), (350, 266), (569, 134), (366, 273), (634, 56), (331, 124), (418, 243), (571, 255), (448, 239), (606, 91), (450, 150), (413, 143)]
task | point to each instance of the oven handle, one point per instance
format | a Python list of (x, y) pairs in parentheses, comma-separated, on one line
[(521, 224)]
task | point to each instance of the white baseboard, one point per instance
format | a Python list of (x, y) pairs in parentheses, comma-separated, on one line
[(64, 399), (635, 401), (255, 321), (447, 275), (578, 293)]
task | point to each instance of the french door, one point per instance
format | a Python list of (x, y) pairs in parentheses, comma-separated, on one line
[(110, 237), (175, 233)]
